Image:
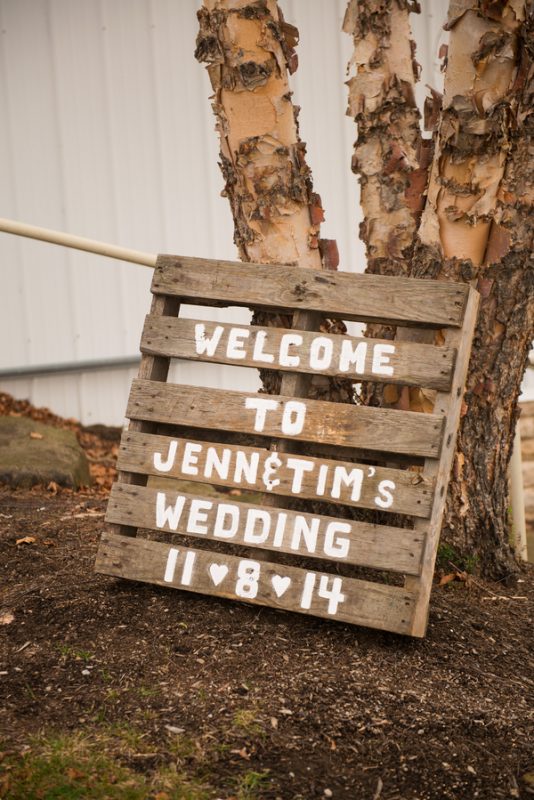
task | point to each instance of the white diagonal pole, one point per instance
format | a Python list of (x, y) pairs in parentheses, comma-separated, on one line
[(77, 242)]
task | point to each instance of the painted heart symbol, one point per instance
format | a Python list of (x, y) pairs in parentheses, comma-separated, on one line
[(218, 573), (280, 584)]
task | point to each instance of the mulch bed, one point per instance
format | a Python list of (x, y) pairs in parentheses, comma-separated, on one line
[(327, 709)]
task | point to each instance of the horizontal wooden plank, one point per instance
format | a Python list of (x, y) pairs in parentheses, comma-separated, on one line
[(277, 473), (287, 350), (350, 296), (384, 430), (269, 584), (315, 449), (280, 530)]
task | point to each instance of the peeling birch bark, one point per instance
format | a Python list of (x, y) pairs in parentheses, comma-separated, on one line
[(477, 226), (479, 498), (387, 153), (249, 51), (474, 131), (390, 156)]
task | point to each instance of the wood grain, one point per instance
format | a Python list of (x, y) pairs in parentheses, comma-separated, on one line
[(369, 604), (449, 404), (412, 364), (411, 495), (384, 430), (370, 298), (377, 546), (154, 368)]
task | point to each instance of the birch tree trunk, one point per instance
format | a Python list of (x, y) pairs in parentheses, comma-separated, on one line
[(390, 155), (249, 51), (477, 226)]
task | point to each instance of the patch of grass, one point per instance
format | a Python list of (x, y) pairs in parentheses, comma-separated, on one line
[(448, 555), (127, 737), (94, 767), (145, 691), (246, 721), (68, 768), (251, 784), (67, 651)]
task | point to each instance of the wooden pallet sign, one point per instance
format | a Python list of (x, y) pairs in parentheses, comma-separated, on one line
[(288, 447)]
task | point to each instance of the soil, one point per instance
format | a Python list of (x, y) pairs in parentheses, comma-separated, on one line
[(315, 709)]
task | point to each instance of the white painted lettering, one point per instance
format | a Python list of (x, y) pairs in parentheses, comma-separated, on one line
[(171, 565), (166, 466), (187, 571), (246, 467), (219, 463), (288, 340), (321, 480), (258, 353), (333, 595), (380, 359), (321, 353), (384, 498), (271, 465), (198, 516), (278, 538), (190, 458), (168, 515), (334, 546), (307, 591), (307, 528), (342, 477), (248, 574), (234, 348), (354, 356), (226, 521), (293, 418), (257, 516), (260, 405), (299, 467), (205, 345)]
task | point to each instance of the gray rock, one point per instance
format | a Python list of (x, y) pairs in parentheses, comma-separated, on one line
[(27, 460)]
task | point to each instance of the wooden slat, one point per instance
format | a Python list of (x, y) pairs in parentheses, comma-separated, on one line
[(293, 384), (406, 491), (155, 368), (450, 405), (384, 430), (349, 296), (329, 538), (409, 364), (364, 603)]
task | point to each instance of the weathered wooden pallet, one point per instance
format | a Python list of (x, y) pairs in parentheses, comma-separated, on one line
[(289, 447)]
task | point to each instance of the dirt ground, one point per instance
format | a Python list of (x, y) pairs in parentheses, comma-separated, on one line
[(111, 689)]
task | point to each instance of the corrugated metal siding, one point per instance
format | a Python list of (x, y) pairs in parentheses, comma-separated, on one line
[(106, 131)]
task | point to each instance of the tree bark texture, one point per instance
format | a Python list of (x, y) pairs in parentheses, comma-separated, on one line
[(477, 227), (387, 154), (249, 51), (390, 155)]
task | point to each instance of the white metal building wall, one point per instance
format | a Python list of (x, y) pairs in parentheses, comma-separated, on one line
[(106, 131)]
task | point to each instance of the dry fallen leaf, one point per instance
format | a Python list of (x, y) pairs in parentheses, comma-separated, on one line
[(35, 435), (26, 540), (243, 753), (6, 617), (448, 578), (75, 774), (52, 487)]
